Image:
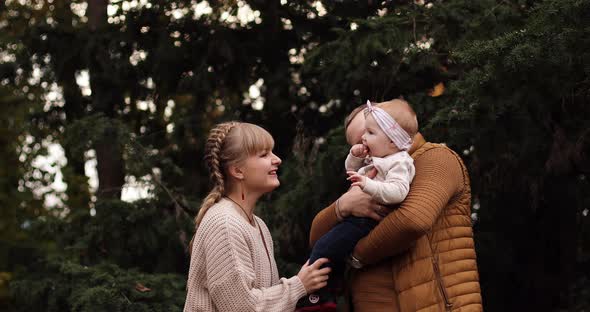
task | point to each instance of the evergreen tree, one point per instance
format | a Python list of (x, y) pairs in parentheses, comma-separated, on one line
[(505, 83), (523, 101)]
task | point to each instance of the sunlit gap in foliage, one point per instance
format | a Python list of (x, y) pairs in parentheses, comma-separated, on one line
[(168, 111), (138, 188), (321, 10), (91, 172), (80, 10), (37, 5), (83, 81), (134, 188), (253, 97), (475, 206), (244, 16), (137, 56), (324, 108), (116, 11), (53, 97), (45, 180), (297, 57), (7, 57)]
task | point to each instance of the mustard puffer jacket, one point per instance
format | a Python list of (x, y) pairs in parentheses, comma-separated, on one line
[(421, 257)]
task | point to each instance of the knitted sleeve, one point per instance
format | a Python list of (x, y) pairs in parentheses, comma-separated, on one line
[(395, 187), (231, 276), (438, 178)]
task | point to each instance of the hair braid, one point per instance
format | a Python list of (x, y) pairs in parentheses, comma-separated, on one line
[(226, 146), (213, 159), (213, 149)]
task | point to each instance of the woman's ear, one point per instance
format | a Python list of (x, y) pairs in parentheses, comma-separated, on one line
[(236, 172)]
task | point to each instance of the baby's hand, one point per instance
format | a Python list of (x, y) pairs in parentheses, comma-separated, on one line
[(357, 179), (359, 150)]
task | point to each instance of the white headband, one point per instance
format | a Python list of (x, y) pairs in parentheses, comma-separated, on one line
[(392, 129)]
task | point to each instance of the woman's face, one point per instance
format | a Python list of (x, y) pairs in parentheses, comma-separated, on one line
[(260, 172)]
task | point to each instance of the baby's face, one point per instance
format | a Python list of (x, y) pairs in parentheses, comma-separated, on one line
[(376, 140)]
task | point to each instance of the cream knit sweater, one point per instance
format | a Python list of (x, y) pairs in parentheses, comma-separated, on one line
[(230, 270)]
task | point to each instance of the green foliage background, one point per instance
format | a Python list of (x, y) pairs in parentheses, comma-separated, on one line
[(513, 91)]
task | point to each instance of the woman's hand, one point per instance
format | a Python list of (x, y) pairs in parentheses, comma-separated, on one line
[(312, 277)]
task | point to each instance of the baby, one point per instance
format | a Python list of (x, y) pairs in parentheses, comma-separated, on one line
[(389, 129)]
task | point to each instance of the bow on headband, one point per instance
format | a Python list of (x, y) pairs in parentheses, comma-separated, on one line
[(392, 129)]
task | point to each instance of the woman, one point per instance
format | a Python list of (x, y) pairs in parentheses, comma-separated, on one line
[(232, 264)]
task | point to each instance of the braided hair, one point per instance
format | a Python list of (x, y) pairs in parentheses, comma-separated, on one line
[(229, 143)]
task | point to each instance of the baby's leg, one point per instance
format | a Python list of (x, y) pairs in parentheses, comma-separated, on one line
[(339, 242), (335, 245)]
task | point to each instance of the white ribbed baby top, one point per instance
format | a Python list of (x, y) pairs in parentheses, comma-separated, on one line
[(230, 270)]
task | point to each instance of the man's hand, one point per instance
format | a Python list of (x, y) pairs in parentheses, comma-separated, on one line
[(357, 203)]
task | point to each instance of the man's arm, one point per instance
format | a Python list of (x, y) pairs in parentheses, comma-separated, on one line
[(438, 178)]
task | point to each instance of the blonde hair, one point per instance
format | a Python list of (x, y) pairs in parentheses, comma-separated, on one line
[(403, 114), (230, 143)]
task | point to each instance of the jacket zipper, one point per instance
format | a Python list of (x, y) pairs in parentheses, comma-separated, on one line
[(448, 304)]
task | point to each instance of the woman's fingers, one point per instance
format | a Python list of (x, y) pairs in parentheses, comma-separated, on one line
[(318, 263), (324, 271), (307, 266), (321, 278)]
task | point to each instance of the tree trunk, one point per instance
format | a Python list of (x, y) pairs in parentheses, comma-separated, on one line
[(74, 175), (105, 98), (110, 168), (97, 13)]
